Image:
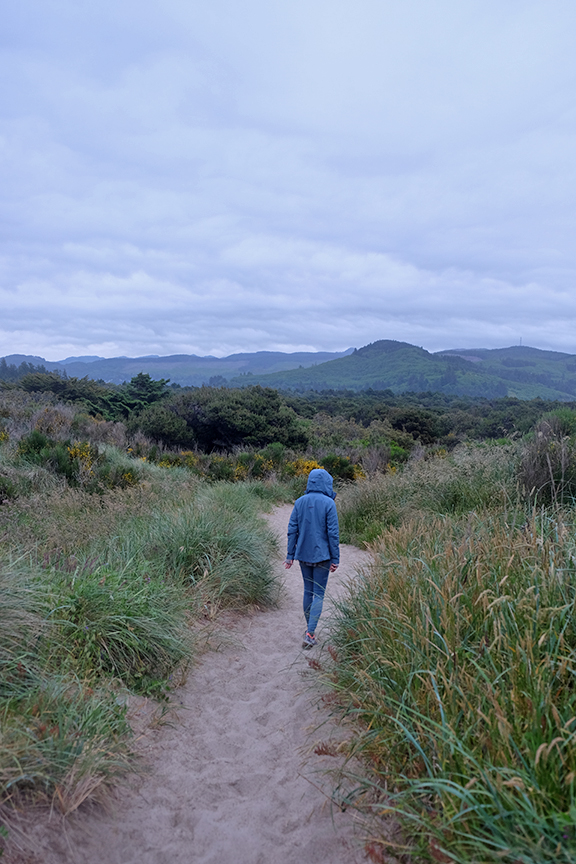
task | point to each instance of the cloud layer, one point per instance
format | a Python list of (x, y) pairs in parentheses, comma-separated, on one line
[(208, 178)]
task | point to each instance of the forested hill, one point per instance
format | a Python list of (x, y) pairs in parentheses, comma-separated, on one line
[(521, 372)]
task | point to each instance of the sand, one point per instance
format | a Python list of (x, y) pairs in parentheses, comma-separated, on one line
[(233, 779)]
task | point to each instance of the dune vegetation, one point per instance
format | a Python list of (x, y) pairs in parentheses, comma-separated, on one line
[(453, 658), (108, 565)]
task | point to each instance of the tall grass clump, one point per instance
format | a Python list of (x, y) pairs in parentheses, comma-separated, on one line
[(127, 625), (58, 738), (121, 605), (20, 617), (212, 544), (548, 466), (456, 655), (473, 477), (217, 546)]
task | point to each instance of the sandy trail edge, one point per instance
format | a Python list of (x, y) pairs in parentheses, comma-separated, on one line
[(234, 780)]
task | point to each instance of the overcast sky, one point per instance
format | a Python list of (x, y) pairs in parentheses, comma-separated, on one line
[(213, 176)]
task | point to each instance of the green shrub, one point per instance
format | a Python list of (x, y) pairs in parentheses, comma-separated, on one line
[(275, 453), (33, 444), (340, 467), (71, 461), (564, 419), (222, 419), (80, 462), (221, 468), (114, 471), (397, 453), (8, 489), (162, 424)]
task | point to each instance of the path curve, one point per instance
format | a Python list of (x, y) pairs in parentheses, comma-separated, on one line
[(232, 781)]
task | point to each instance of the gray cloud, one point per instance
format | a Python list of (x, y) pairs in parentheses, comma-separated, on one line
[(217, 177)]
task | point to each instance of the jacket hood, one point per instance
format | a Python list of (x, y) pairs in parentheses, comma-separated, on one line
[(319, 480)]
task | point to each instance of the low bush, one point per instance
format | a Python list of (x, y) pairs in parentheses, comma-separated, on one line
[(8, 489), (20, 410), (80, 463), (340, 467), (37, 449)]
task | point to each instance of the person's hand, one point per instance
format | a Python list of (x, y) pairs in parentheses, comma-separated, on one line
[(288, 564), (333, 568)]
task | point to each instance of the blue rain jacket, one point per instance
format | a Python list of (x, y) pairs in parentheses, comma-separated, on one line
[(313, 533)]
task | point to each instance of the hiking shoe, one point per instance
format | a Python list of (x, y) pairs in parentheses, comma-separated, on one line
[(309, 640)]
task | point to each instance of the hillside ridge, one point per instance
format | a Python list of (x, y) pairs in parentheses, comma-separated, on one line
[(518, 371)]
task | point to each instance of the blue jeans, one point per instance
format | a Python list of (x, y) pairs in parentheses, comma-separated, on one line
[(315, 578)]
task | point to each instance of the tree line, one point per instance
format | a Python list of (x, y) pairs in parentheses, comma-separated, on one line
[(219, 418)]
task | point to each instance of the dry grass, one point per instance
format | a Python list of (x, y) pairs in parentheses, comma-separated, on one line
[(473, 477), (66, 521), (548, 466)]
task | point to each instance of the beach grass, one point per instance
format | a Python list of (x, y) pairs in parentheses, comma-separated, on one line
[(472, 477), (454, 656)]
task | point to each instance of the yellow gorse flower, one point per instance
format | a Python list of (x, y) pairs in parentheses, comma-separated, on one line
[(83, 452), (189, 458), (185, 459), (302, 467), (240, 472)]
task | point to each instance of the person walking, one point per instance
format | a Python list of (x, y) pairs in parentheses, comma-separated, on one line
[(314, 541)]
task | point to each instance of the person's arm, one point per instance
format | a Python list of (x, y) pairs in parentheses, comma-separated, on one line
[(333, 537), (292, 538)]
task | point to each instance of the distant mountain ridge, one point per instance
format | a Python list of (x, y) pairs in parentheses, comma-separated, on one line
[(183, 369), (518, 371)]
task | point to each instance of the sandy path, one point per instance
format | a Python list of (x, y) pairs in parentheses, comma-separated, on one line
[(229, 782)]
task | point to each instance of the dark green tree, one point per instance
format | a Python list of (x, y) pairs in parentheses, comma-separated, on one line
[(143, 390), (221, 419)]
